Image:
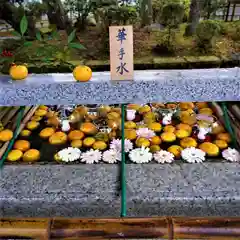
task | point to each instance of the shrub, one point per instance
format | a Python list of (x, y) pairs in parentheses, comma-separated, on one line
[(11, 44), (171, 17), (234, 33), (224, 48), (157, 6), (222, 28), (206, 34), (125, 15)]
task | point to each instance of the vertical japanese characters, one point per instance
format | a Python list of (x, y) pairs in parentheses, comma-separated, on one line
[(121, 37), (121, 52)]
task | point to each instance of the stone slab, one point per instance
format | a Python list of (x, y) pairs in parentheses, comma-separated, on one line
[(148, 86), (209, 189)]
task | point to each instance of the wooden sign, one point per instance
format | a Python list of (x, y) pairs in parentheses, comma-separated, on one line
[(121, 52)]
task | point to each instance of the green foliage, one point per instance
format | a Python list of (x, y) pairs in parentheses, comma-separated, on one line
[(206, 34), (124, 15), (39, 36), (210, 7), (221, 28), (72, 36), (223, 48), (232, 30), (157, 6), (172, 14), (23, 25), (36, 9)]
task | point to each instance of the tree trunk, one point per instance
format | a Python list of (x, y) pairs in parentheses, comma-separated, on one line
[(146, 12), (56, 14), (194, 17), (12, 16)]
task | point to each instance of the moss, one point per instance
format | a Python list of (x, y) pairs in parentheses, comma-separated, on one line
[(188, 62), (212, 59), (169, 62)]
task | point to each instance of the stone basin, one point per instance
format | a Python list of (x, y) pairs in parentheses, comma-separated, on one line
[(208, 189)]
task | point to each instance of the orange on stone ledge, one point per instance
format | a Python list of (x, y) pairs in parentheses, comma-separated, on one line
[(18, 72), (82, 73)]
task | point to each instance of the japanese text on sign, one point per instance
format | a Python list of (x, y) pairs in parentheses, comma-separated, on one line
[(121, 52)]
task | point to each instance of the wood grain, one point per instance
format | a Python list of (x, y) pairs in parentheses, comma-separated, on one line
[(121, 228), (115, 47), (109, 228), (25, 228), (211, 228)]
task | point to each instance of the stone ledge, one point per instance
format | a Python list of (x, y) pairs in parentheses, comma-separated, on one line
[(148, 86), (209, 189)]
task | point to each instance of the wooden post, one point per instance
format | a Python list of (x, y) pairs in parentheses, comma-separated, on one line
[(24, 228), (121, 228), (227, 13), (233, 11), (110, 228), (206, 228)]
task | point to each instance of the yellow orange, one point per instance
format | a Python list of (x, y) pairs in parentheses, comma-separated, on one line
[(21, 145), (18, 72), (82, 73), (6, 135), (31, 155), (175, 150), (188, 142), (224, 136), (168, 137), (156, 140), (142, 142), (210, 149), (14, 155), (169, 128)]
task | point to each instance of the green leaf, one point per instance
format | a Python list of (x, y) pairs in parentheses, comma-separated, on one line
[(72, 35), (17, 34), (77, 46), (46, 60), (39, 36), (27, 44), (23, 25), (55, 35)]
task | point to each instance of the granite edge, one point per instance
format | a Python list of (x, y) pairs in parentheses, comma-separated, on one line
[(148, 86), (209, 189)]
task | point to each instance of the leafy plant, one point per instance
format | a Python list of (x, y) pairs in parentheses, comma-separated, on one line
[(224, 48), (54, 51), (206, 34), (171, 17), (7, 60), (49, 48)]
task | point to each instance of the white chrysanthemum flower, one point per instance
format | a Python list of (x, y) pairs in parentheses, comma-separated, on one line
[(69, 154), (130, 114), (91, 156), (163, 156), (111, 156), (145, 133), (116, 145), (193, 155), (167, 119), (65, 125), (231, 154), (140, 155)]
